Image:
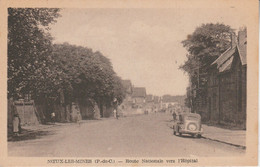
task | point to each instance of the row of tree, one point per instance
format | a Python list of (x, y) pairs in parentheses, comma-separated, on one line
[(204, 46), (40, 68)]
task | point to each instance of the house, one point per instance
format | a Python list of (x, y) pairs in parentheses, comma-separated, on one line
[(169, 101), (127, 102), (139, 96), (152, 105), (129, 90), (149, 98), (27, 112), (128, 86), (156, 99), (226, 101)]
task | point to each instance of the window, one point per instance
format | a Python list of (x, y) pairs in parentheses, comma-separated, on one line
[(192, 118)]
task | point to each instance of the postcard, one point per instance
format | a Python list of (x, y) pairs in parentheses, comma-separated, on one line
[(129, 83)]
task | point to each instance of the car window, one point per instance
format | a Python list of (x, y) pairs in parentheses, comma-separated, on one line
[(192, 118)]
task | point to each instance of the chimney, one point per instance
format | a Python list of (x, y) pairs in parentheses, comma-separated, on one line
[(233, 39)]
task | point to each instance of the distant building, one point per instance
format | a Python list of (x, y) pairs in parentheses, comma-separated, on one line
[(127, 102), (226, 101), (128, 86), (168, 101), (129, 90), (149, 99), (156, 99), (139, 96)]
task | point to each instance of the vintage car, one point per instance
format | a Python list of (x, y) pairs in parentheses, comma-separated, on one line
[(188, 123)]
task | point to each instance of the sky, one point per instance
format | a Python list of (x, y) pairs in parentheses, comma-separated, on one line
[(144, 45)]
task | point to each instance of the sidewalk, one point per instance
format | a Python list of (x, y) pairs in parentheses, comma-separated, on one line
[(232, 137), (29, 131)]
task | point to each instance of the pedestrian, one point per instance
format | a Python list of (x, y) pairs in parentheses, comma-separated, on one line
[(174, 115), (115, 104), (53, 117), (114, 112), (78, 118)]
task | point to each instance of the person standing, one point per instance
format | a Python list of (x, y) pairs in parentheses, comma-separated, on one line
[(16, 122), (174, 115), (79, 118), (115, 104), (53, 117)]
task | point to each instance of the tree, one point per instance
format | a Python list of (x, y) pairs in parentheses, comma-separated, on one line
[(90, 74), (49, 72), (204, 45), (119, 90), (29, 48)]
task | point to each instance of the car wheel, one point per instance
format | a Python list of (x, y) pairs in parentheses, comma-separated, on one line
[(192, 135), (174, 132), (199, 135)]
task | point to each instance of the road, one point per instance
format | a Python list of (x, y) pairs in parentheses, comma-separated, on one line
[(135, 136)]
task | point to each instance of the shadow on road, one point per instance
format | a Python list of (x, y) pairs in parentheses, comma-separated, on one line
[(188, 136), (29, 135)]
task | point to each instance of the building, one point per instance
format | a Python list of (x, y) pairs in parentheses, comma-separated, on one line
[(139, 96), (156, 99), (127, 102), (149, 98), (129, 90), (226, 101), (128, 86)]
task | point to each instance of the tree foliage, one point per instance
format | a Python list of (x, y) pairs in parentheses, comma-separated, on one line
[(90, 74), (204, 45), (42, 69), (29, 48)]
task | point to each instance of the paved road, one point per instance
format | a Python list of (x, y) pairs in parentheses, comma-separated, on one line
[(136, 136)]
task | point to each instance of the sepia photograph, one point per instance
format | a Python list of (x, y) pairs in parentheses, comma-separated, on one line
[(103, 85)]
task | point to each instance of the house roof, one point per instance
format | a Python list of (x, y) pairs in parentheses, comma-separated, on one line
[(224, 56), (242, 49), (226, 65), (225, 60), (139, 92)]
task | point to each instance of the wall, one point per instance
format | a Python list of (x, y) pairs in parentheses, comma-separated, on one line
[(139, 101), (26, 112), (233, 96)]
